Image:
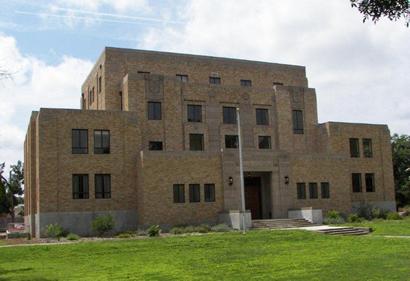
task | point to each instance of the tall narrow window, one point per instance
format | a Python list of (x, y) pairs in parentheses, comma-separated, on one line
[(194, 113), (80, 186), (99, 84), (229, 115), (102, 186), (209, 192), (325, 190), (154, 110), (246, 83), (262, 116), (264, 142), (370, 186), (155, 145), (313, 192), (297, 118), (182, 77), (357, 182), (194, 193), (367, 148), (179, 193), (196, 142), (101, 141), (79, 141), (214, 80), (354, 148), (121, 101), (231, 141), (301, 190)]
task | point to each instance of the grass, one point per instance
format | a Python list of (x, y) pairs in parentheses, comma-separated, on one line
[(262, 255), (387, 227)]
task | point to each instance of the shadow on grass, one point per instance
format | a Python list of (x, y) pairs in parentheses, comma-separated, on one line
[(4, 272)]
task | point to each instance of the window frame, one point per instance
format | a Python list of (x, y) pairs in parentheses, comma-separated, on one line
[(227, 115), (156, 113), (105, 192), (367, 147), (182, 77), (178, 193), (313, 190), (371, 188), (354, 142), (236, 146), (262, 119), (325, 190), (298, 122), (151, 145), (79, 149), (102, 149), (202, 138), (301, 191), (209, 192), (215, 80), (194, 113), (269, 138), (85, 194), (246, 82), (194, 193), (357, 189)]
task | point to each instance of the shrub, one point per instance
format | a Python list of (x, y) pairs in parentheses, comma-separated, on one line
[(365, 211), (103, 224), (189, 229), (124, 235), (203, 228), (393, 216), (334, 217), (54, 231), (72, 236), (154, 230), (221, 228), (378, 213), (141, 232), (177, 230), (354, 218)]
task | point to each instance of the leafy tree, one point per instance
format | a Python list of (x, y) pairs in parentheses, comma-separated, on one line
[(376, 9), (11, 190), (401, 163)]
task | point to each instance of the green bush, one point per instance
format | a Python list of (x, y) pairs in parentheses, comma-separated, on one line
[(203, 228), (378, 213), (154, 230), (177, 230), (365, 211), (124, 235), (354, 218), (54, 231), (221, 228), (334, 217), (103, 224), (72, 236), (141, 232), (393, 216)]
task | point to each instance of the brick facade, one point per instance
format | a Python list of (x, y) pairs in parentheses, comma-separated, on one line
[(115, 97)]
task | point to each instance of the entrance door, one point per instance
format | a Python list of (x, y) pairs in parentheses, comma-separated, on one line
[(253, 195)]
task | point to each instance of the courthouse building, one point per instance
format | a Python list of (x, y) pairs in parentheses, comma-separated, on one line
[(156, 142)]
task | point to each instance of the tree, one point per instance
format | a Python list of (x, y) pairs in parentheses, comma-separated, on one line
[(376, 9), (11, 190), (401, 163)]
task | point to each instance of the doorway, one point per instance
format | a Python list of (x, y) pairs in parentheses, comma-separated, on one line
[(253, 196)]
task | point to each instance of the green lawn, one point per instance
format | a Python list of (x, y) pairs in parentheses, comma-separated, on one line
[(261, 255), (387, 227)]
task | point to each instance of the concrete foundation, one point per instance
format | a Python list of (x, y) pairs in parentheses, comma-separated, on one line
[(313, 215), (234, 219)]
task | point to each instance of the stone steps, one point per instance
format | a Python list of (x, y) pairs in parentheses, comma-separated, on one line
[(346, 231), (280, 223)]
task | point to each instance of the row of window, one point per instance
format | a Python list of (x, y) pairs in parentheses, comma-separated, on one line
[(102, 184), (194, 193), (355, 148), (313, 190), (79, 141), (229, 115), (357, 182)]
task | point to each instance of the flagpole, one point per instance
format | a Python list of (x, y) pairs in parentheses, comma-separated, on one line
[(241, 172)]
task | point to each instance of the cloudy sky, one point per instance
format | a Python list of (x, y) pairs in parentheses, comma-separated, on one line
[(360, 71)]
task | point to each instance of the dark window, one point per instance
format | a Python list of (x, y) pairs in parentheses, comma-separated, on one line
[(102, 186), (194, 193), (79, 141), (354, 148), (196, 142), (179, 193), (370, 187), (229, 115), (143, 72), (155, 145), (209, 190), (367, 148), (154, 110), (313, 192), (99, 84), (264, 142), (182, 77), (80, 186), (121, 102), (262, 116), (101, 141), (246, 83), (297, 118), (277, 84), (214, 80), (301, 190), (325, 190), (82, 101), (194, 113), (231, 141), (357, 182)]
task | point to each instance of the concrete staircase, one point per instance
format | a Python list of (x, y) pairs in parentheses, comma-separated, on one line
[(346, 231), (281, 223)]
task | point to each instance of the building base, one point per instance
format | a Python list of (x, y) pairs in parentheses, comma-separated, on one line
[(234, 218)]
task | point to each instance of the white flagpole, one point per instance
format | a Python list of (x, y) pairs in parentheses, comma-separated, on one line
[(241, 171)]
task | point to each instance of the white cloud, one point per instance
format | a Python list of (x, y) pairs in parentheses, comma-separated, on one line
[(118, 5), (359, 70), (34, 84)]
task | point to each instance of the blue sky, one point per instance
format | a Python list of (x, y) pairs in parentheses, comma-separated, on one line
[(359, 70)]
